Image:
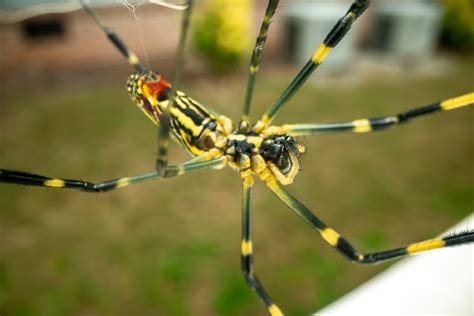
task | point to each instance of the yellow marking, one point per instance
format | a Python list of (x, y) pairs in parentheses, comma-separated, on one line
[(265, 119), (146, 92), (186, 121), (180, 170), (288, 179), (330, 235), (248, 181), (255, 140), (193, 149), (226, 124), (54, 183), (182, 104), (253, 69), (321, 53), (262, 123), (238, 137), (425, 245), (275, 311), (133, 59), (267, 19), (458, 102), (246, 247), (123, 182), (301, 148), (361, 126), (276, 130), (258, 164)]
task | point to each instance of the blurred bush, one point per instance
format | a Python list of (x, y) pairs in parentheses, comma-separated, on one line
[(458, 24), (222, 32)]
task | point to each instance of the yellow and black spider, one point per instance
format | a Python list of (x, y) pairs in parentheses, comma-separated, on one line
[(262, 150)]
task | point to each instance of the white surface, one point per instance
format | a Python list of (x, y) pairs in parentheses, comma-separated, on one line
[(440, 282)]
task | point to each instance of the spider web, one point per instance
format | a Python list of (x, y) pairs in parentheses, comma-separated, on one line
[(133, 5), (13, 11)]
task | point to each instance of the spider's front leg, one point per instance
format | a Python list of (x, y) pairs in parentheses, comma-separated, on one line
[(255, 62), (334, 239), (334, 36)]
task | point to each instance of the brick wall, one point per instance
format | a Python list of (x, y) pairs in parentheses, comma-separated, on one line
[(83, 46)]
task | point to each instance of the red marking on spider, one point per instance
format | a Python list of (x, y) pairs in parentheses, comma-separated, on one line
[(156, 88)]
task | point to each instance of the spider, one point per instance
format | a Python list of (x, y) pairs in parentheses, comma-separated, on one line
[(270, 153)]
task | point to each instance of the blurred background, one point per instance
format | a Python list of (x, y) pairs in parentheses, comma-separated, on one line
[(172, 247)]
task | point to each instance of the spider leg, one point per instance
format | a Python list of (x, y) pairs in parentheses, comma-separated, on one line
[(247, 251), (347, 250), (115, 39), (165, 119), (20, 177), (256, 59), (380, 123), (334, 36), (181, 44)]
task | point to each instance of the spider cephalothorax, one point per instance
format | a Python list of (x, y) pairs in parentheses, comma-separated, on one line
[(250, 152)]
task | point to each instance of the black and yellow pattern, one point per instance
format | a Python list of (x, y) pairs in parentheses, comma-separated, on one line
[(256, 59), (270, 153), (25, 178), (380, 123), (334, 36), (334, 239), (247, 249)]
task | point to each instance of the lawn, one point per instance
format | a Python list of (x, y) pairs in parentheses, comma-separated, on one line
[(172, 247)]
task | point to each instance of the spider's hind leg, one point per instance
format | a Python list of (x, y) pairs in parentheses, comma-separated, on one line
[(247, 250), (334, 239)]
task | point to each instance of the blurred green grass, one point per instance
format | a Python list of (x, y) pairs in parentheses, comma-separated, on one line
[(171, 247)]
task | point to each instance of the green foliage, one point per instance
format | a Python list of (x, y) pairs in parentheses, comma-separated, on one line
[(222, 32), (458, 24)]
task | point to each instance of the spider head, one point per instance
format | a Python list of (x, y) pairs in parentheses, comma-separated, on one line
[(282, 154), (147, 89)]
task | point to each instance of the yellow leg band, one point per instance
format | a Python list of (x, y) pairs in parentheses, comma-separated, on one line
[(54, 183), (275, 311), (321, 54), (425, 245), (361, 126), (330, 235), (247, 248), (454, 103)]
